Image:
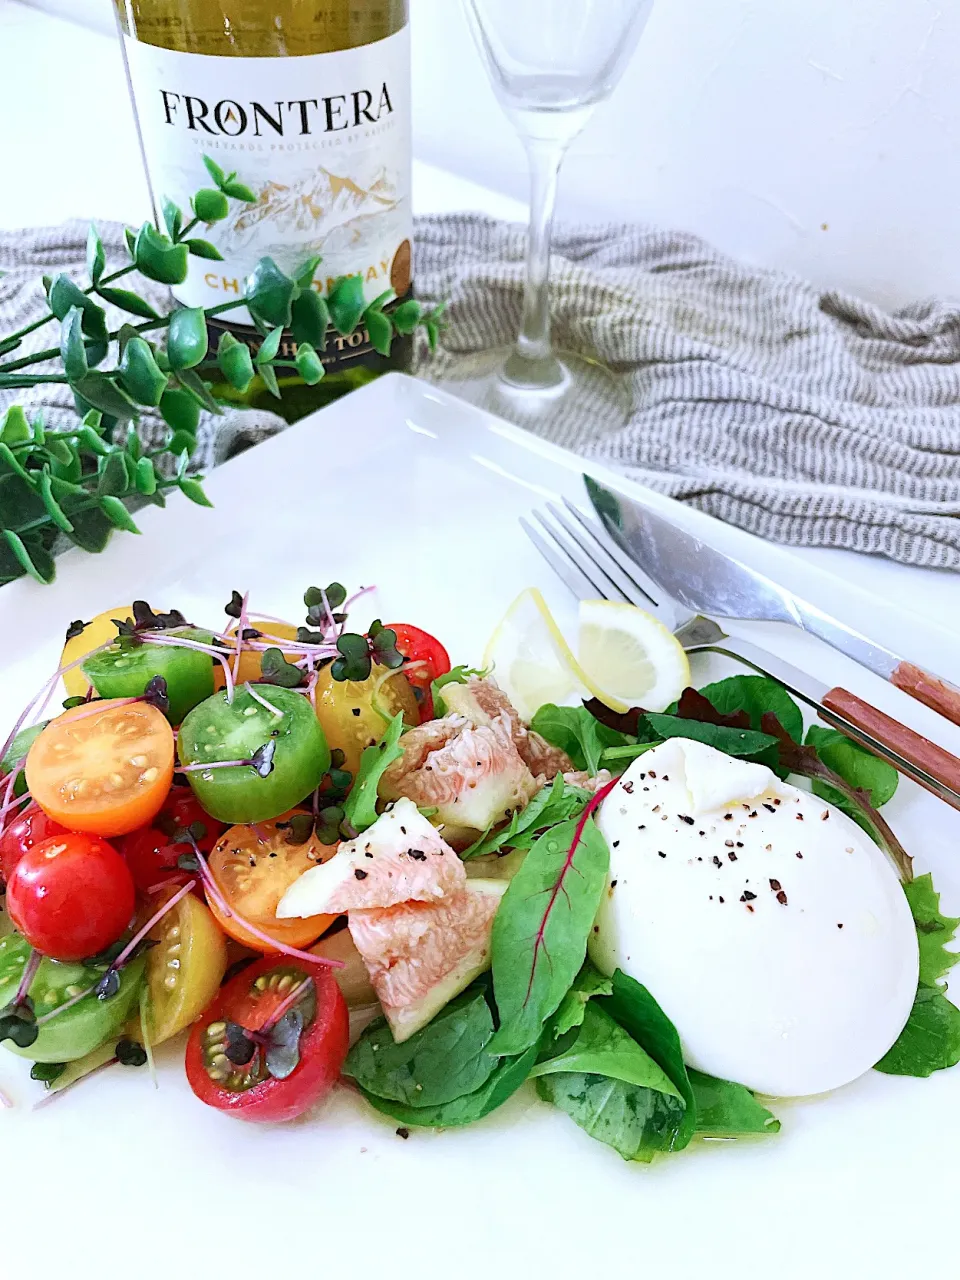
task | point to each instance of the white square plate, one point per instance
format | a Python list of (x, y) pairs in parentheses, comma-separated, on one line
[(404, 486)]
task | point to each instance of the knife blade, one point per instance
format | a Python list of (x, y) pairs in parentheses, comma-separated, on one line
[(708, 581)]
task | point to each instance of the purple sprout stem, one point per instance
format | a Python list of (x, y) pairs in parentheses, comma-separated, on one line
[(241, 627), (263, 702), (332, 627), (6, 1101), (213, 764), (45, 694), (29, 973), (154, 919), (68, 1004)]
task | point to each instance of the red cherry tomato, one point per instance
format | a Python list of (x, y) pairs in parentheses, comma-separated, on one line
[(150, 853), (249, 1091), (71, 896), (420, 646), (23, 833)]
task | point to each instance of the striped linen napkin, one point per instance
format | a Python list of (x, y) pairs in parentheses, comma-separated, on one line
[(814, 419)]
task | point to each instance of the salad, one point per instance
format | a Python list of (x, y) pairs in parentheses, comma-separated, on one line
[(331, 857)]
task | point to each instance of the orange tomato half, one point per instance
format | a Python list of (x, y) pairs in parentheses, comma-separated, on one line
[(103, 768), (254, 866), (249, 667)]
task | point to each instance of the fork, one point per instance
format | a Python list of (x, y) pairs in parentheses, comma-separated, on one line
[(593, 567)]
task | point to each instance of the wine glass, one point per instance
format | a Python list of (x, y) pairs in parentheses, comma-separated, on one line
[(551, 63)]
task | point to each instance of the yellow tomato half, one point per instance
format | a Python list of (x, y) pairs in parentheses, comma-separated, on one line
[(185, 969), (249, 668), (349, 718), (100, 630)]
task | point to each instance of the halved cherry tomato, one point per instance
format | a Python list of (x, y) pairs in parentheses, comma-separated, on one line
[(91, 635), (254, 867), (420, 646), (32, 827), (71, 896), (105, 768), (150, 852), (250, 1000), (250, 659), (185, 969), (349, 717)]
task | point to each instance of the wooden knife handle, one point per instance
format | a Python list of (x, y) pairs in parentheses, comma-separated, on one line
[(931, 690), (914, 748)]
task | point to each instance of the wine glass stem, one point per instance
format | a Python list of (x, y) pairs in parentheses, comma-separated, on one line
[(533, 363)]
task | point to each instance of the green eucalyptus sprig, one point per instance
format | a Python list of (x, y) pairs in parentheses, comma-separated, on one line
[(76, 482)]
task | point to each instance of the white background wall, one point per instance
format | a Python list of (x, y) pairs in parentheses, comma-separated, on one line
[(821, 136)]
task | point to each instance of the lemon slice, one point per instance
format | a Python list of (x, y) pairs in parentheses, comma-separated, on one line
[(631, 655), (533, 664)]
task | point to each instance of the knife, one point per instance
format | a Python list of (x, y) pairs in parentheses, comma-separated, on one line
[(708, 581)]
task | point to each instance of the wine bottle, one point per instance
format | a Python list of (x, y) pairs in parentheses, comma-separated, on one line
[(308, 101)]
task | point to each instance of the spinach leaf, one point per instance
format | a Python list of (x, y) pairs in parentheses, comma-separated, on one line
[(726, 1110), (746, 743), (504, 1082), (548, 807), (929, 1042), (575, 731), (934, 930), (539, 939), (601, 1047), (360, 809), (588, 983), (756, 695), (458, 675), (638, 1123), (856, 766), (441, 1063), (635, 1009)]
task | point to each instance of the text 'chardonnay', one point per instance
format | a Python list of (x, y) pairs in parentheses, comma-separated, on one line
[(309, 102)]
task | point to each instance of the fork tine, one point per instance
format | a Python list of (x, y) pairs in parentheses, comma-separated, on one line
[(597, 551), (632, 570), (565, 569), (603, 587)]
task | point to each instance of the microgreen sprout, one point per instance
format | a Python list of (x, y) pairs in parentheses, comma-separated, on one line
[(275, 669), (275, 711), (130, 1053)]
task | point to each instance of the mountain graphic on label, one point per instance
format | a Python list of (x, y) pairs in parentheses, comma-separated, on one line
[(311, 209)]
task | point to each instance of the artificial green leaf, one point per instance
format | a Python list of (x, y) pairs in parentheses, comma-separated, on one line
[(406, 317), (756, 695), (9, 462), (310, 319), (158, 258), (236, 363), (270, 293), (857, 766), (539, 939), (22, 555), (638, 1013), (578, 733), (600, 1046), (180, 411), (15, 429), (91, 528), (172, 217), (54, 510), (270, 347), (549, 806), (727, 1110), (187, 339), (210, 205), (346, 304), (96, 258), (117, 514), (102, 392), (269, 378), (182, 442), (145, 477), (934, 930), (214, 170), (360, 810), (92, 441), (132, 444), (204, 249), (239, 191), (20, 503), (113, 474), (309, 365), (192, 383), (128, 301), (439, 1064), (380, 330), (638, 1123), (589, 982), (59, 451), (506, 1079), (193, 490), (140, 375), (130, 236), (929, 1042), (307, 271)]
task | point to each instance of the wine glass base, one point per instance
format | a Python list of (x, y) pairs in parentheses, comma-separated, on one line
[(570, 400)]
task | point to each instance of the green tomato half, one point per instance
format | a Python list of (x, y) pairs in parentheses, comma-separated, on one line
[(124, 671), (219, 730)]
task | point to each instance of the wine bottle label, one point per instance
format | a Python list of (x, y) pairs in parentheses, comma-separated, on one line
[(323, 141)]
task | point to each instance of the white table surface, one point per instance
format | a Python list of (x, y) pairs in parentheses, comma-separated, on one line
[(77, 156)]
